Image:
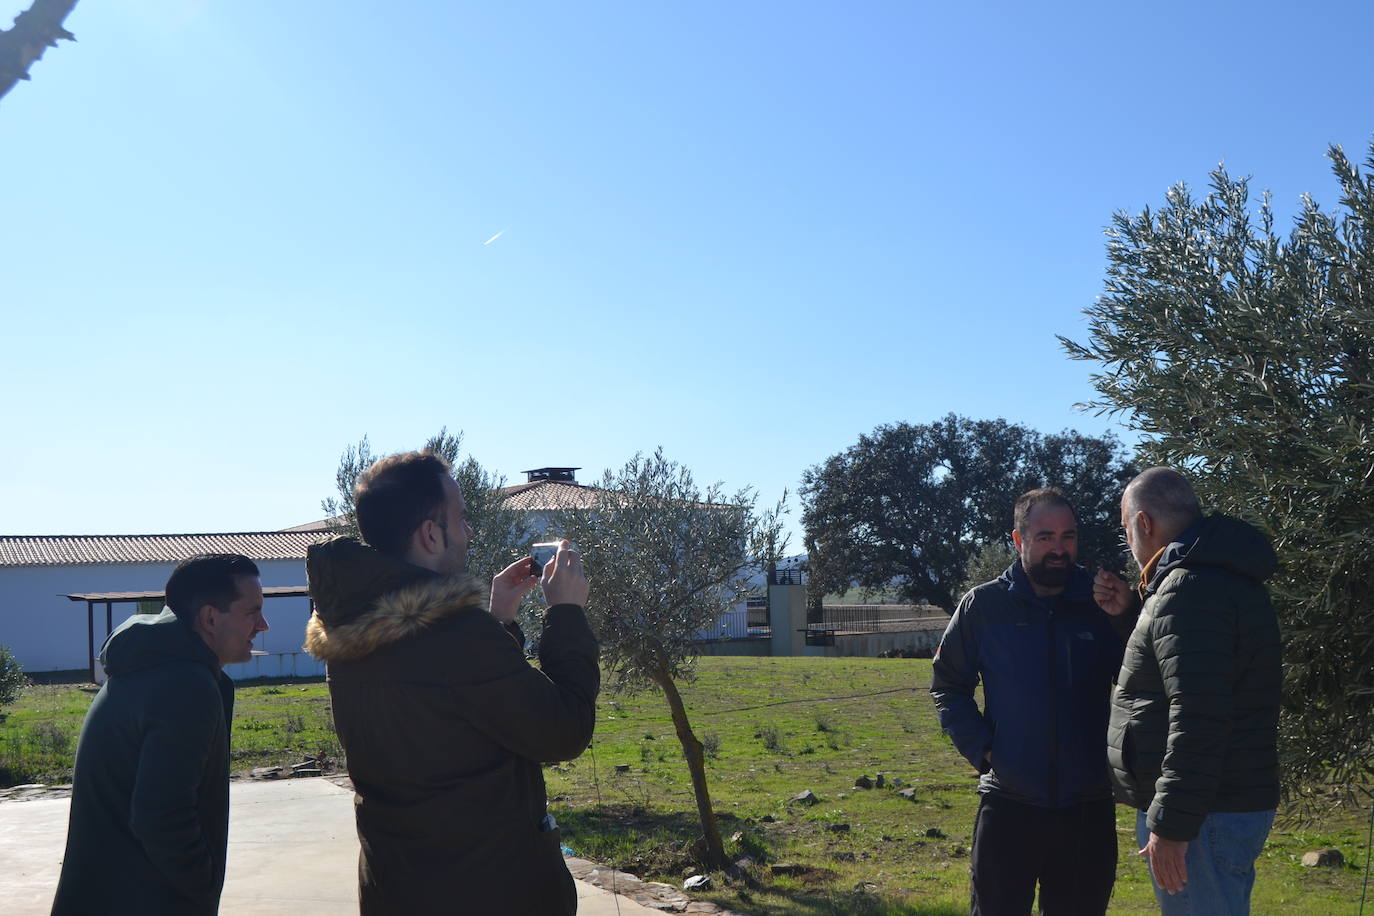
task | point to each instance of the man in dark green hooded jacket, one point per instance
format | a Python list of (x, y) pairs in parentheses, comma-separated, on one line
[(1193, 735), (150, 793)]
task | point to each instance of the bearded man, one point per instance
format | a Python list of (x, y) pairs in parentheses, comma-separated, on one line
[(1046, 654), (444, 722)]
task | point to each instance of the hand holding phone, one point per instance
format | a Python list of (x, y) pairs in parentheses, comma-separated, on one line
[(563, 580)]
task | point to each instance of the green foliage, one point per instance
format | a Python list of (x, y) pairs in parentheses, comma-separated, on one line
[(989, 562), (1247, 360), (907, 506), (666, 560), (11, 677), (499, 533)]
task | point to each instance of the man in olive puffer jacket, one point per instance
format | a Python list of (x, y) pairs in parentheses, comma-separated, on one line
[(1192, 741)]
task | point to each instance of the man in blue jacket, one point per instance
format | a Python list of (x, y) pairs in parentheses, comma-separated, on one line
[(1046, 655)]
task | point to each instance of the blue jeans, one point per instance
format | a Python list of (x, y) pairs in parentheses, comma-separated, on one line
[(1220, 862)]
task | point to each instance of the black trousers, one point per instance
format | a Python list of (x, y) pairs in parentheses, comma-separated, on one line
[(1070, 852)]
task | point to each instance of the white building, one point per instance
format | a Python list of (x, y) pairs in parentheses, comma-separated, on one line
[(46, 631)]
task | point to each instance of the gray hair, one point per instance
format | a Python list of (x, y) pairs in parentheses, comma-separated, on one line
[(1166, 495)]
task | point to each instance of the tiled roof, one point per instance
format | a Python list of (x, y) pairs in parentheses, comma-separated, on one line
[(321, 525), (546, 495), (289, 544), (95, 549)]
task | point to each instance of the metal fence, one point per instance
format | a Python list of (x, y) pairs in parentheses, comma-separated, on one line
[(862, 619), (832, 620)]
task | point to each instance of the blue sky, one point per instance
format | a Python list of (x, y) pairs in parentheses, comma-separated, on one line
[(238, 236)]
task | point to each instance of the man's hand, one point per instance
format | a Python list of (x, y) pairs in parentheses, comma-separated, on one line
[(1167, 862), (1112, 594), (564, 582), (508, 587)]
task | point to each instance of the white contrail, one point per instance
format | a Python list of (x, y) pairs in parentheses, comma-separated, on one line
[(494, 237)]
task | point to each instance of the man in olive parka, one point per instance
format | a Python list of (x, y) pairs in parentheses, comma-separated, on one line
[(444, 722), (149, 822)]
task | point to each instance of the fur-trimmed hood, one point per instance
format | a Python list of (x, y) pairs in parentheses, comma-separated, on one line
[(365, 600)]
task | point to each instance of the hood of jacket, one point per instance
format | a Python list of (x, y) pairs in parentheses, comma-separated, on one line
[(365, 600), (149, 640), (1221, 542)]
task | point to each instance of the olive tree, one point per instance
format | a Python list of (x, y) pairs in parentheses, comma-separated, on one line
[(667, 560), (1246, 359)]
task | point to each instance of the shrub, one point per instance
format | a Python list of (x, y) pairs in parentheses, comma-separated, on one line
[(11, 677)]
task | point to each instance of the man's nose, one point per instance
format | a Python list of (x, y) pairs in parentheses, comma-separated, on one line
[(262, 626)]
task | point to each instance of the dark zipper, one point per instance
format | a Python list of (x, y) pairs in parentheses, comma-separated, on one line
[(1054, 704)]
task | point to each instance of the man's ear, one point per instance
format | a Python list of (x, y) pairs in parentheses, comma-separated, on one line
[(205, 618), (1016, 540), (425, 539)]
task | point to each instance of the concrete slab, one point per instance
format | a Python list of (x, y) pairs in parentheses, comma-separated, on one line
[(292, 850)]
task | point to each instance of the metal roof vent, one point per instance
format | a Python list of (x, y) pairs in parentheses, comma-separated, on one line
[(561, 475)]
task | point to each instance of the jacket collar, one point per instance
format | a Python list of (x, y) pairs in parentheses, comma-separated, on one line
[(1018, 583), (1169, 556), (365, 600)]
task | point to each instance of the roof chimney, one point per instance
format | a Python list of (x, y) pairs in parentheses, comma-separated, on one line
[(560, 475)]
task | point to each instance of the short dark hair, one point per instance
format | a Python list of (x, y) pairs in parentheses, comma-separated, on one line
[(395, 495), (1030, 500), (206, 578)]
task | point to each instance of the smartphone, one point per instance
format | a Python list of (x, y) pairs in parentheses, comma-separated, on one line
[(541, 554)]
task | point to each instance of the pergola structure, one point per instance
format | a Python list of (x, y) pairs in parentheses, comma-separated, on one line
[(110, 599)]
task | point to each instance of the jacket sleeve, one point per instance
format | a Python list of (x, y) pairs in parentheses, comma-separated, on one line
[(954, 677), (180, 731), (545, 713), (1194, 643)]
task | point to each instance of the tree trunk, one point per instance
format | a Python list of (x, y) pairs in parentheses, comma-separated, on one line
[(35, 30), (696, 764)]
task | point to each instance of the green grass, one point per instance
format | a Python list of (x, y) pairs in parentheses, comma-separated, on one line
[(784, 725), (773, 728), (275, 724)]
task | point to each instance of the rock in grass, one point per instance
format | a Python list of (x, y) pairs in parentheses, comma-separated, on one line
[(805, 797), (880, 781), (1323, 858), (837, 828), (908, 794), (697, 883), (935, 833), (863, 782), (266, 772)]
